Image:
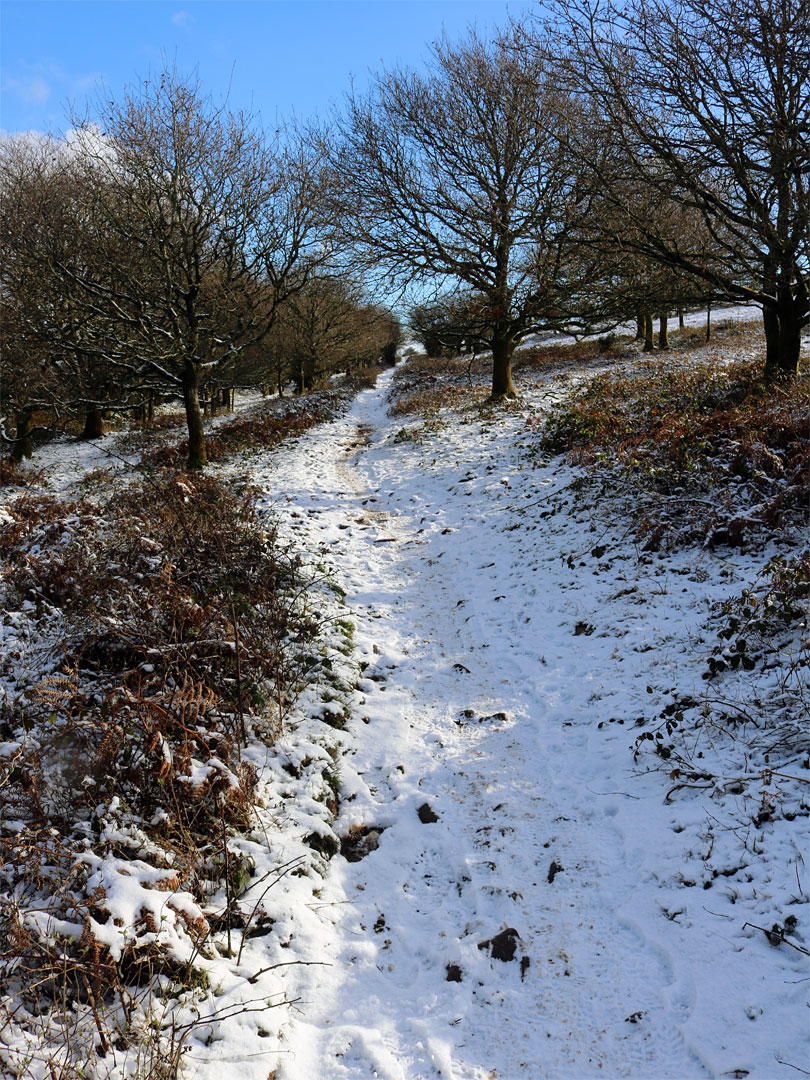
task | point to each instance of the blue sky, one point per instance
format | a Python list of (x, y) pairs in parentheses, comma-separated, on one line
[(278, 57)]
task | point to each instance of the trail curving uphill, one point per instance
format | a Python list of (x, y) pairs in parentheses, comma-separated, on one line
[(487, 784)]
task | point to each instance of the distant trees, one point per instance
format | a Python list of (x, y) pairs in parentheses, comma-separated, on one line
[(652, 155), (628, 157), (450, 325), (377, 339), (52, 348), (22, 359), (190, 231), (629, 281), (221, 225), (326, 327), (707, 106)]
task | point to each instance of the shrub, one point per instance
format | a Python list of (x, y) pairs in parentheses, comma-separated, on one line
[(714, 453), (180, 621)]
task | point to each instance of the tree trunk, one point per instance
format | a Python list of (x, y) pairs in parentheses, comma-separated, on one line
[(663, 330), (93, 424), (681, 322), (502, 348), (22, 444), (145, 412), (639, 328), (197, 457), (709, 321), (782, 337), (649, 333)]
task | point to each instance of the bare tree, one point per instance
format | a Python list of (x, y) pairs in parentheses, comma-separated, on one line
[(53, 352), (213, 226), (707, 106), (455, 179)]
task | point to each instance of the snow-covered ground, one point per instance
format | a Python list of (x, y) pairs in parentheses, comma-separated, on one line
[(509, 634), (506, 666)]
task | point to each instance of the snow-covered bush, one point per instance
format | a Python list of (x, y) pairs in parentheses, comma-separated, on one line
[(173, 623)]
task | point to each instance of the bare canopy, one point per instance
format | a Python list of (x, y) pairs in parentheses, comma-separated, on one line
[(178, 230), (452, 179), (707, 103)]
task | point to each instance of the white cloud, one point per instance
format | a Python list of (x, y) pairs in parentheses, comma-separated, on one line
[(35, 89), (182, 18), (83, 84)]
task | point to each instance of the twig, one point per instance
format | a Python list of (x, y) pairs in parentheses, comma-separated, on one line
[(283, 871), (677, 787), (534, 502), (611, 793), (791, 1066), (227, 875), (102, 1038), (288, 963), (730, 705), (242, 741), (235, 1010), (780, 937), (786, 776)]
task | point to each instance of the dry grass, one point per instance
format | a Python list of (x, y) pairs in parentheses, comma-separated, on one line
[(13, 474), (543, 357), (722, 455), (243, 433), (183, 624), (430, 400)]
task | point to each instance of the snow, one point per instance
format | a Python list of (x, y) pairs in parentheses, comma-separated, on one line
[(138, 892), (463, 612), (738, 313), (502, 667)]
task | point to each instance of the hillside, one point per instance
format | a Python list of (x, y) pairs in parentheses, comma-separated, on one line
[(531, 797)]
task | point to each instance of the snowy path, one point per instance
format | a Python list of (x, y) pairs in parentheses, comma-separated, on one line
[(531, 903), (480, 701), (511, 636)]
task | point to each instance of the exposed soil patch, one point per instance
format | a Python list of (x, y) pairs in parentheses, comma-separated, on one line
[(503, 946), (360, 841), (427, 815)]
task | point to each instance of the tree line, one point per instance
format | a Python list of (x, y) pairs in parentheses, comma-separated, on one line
[(171, 247), (609, 160)]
